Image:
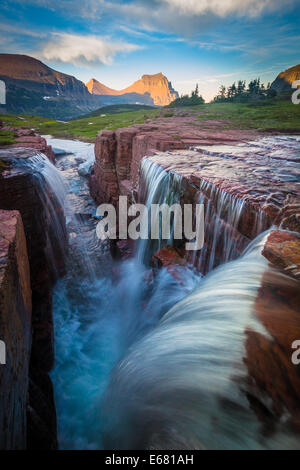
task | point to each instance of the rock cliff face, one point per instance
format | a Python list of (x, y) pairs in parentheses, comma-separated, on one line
[(27, 191), (273, 377), (97, 88), (245, 188), (118, 153), (15, 330), (283, 83), (156, 86)]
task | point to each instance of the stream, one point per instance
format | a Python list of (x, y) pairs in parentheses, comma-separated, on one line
[(98, 309), (144, 362)]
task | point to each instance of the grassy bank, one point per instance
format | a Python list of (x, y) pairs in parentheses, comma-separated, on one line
[(279, 116), (85, 128), (6, 137)]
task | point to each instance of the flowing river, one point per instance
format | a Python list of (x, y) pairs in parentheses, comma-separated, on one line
[(143, 362)]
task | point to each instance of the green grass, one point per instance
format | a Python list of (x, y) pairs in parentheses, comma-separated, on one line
[(6, 137), (116, 109), (85, 128), (275, 115), (280, 116)]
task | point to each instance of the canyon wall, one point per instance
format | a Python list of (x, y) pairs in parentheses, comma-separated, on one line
[(15, 330), (118, 153), (237, 175), (24, 189), (247, 183)]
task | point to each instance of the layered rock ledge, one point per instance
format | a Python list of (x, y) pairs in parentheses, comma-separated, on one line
[(245, 190), (273, 378), (27, 138), (25, 189), (15, 330), (247, 182), (118, 153)]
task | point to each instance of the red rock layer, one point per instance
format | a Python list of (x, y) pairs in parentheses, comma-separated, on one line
[(22, 190), (15, 330), (118, 153), (26, 138), (272, 375), (251, 176)]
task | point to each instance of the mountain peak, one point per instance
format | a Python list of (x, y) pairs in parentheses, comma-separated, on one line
[(157, 86), (284, 80)]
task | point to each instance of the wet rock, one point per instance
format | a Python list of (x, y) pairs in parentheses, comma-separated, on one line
[(41, 415), (15, 330), (59, 152), (172, 260), (123, 249), (273, 378), (26, 138), (283, 250), (28, 192), (118, 153), (85, 169)]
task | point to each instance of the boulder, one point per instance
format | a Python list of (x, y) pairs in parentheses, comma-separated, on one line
[(172, 260)]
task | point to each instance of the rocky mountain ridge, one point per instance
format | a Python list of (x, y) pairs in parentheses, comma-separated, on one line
[(156, 86), (34, 88), (283, 82)]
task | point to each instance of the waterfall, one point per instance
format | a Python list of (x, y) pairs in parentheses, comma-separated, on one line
[(157, 186), (98, 313), (183, 385), (222, 215), (145, 362), (50, 189)]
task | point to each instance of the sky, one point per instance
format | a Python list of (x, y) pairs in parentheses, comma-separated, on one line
[(209, 42)]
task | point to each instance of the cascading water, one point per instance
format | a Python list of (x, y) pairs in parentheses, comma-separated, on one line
[(98, 314), (223, 213), (50, 189), (158, 187), (183, 385), (136, 369)]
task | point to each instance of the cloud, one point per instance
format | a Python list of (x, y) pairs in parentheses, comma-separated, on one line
[(186, 17), (223, 8), (19, 31), (81, 50)]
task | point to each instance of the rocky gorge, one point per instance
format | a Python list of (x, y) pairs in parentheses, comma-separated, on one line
[(233, 306), (34, 255)]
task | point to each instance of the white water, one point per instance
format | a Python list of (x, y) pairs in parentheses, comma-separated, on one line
[(182, 385), (133, 372), (51, 190), (159, 186), (98, 312)]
